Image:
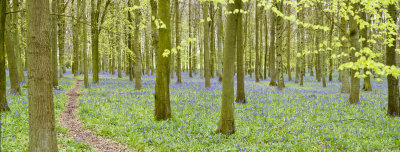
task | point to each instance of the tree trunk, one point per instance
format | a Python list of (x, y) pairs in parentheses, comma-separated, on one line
[(393, 89), (177, 42), (154, 30), (75, 36), (42, 129), (54, 32), (345, 73), (279, 47), (212, 41), (257, 12), (220, 41), (16, 40), (61, 36), (240, 96), (190, 57), (84, 46), (266, 46), (272, 51), (3, 99), (161, 97), (12, 65), (226, 123), (206, 32), (289, 28), (354, 37), (137, 48), (364, 34)]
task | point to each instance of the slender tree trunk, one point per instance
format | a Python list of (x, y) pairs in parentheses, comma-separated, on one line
[(190, 57), (16, 40), (289, 70), (75, 35), (272, 51), (354, 37), (220, 41), (42, 128), (299, 51), (206, 32), (154, 31), (345, 73), (54, 32), (303, 56), (266, 46), (84, 46), (240, 96), (177, 42), (364, 34), (212, 41), (137, 48), (257, 69), (393, 89), (61, 36), (279, 47), (12, 64), (226, 123), (3, 99), (161, 97)]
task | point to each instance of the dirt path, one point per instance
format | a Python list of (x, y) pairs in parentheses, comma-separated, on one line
[(69, 119)]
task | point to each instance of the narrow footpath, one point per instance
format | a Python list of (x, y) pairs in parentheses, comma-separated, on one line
[(69, 120)]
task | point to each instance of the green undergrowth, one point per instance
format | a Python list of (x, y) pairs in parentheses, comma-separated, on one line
[(311, 118), (15, 126)]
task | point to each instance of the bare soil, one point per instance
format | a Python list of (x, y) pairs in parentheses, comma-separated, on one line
[(69, 120)]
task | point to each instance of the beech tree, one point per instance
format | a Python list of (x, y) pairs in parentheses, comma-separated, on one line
[(226, 123), (162, 97), (42, 130)]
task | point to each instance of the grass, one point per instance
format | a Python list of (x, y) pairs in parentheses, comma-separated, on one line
[(15, 126), (309, 118)]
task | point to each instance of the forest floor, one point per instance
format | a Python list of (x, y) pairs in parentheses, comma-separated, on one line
[(68, 119), (309, 118)]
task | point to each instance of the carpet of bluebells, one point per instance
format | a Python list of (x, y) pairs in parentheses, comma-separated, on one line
[(309, 118), (15, 126)]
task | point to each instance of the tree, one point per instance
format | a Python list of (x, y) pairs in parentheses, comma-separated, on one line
[(288, 46), (177, 42), (16, 39), (75, 36), (42, 133), (226, 123), (354, 40), (345, 73), (54, 33), (206, 32), (279, 46), (364, 32), (190, 42), (96, 22), (240, 96), (154, 31), (12, 64), (84, 45), (393, 82), (161, 97), (137, 48), (220, 42), (272, 51), (61, 35), (212, 41), (266, 46), (257, 69), (3, 99)]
